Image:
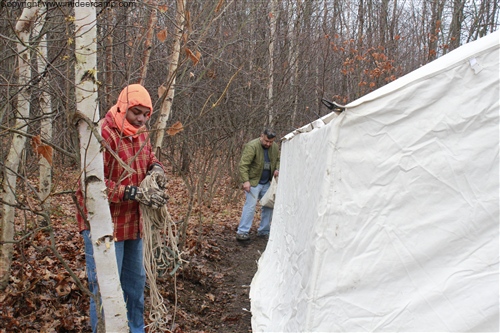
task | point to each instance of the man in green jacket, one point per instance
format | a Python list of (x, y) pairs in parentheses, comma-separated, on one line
[(259, 163)]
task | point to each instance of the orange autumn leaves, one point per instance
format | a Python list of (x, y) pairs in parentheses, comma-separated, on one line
[(175, 128), (162, 35), (194, 56), (42, 149)]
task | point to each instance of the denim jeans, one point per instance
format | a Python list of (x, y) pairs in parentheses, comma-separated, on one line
[(252, 197), (129, 259)]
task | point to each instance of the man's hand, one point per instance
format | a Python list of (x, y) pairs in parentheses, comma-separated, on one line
[(246, 186), (150, 197), (158, 175)]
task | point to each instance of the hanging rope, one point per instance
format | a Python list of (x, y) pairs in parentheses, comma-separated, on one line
[(160, 255)]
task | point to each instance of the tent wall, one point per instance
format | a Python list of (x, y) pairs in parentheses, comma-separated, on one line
[(387, 217)]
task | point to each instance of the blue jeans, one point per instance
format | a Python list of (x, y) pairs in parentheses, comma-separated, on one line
[(252, 197), (129, 259)]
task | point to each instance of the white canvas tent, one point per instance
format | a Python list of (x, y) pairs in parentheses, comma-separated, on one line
[(387, 215)]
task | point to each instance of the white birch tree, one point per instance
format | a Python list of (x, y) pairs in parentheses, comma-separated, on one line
[(23, 29), (166, 106), (93, 185), (148, 43), (45, 162)]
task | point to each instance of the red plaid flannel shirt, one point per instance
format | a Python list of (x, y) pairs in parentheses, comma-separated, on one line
[(138, 154)]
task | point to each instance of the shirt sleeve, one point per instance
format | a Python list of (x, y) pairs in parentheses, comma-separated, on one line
[(112, 168), (246, 160)]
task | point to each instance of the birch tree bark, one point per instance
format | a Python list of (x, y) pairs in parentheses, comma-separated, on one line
[(45, 177), (94, 188), (23, 28), (166, 106), (148, 44)]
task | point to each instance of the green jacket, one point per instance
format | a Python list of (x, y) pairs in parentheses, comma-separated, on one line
[(252, 161)]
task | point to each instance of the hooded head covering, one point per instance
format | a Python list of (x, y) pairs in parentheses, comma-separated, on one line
[(132, 95)]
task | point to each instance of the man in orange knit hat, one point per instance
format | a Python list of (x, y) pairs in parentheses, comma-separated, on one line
[(124, 129)]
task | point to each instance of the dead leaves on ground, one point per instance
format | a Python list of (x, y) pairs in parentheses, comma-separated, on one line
[(42, 296)]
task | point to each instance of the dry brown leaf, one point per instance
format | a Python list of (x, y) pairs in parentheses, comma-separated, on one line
[(63, 289), (194, 57), (47, 152), (162, 35), (41, 149), (175, 128), (161, 90), (36, 140), (162, 8)]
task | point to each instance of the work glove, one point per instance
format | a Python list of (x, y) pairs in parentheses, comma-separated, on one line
[(150, 197), (158, 175)]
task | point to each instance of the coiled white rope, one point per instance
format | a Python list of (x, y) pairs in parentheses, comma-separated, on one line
[(160, 254)]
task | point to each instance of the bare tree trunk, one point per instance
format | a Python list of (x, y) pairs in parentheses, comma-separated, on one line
[(23, 28), (383, 25), (272, 36), (456, 24), (94, 188), (148, 44), (166, 106), (435, 26), (46, 124), (294, 26), (361, 22), (108, 65)]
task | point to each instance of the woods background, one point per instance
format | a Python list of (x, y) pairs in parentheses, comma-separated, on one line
[(242, 64), (217, 71)]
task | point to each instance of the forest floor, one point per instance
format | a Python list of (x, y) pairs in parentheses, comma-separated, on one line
[(215, 294), (209, 293)]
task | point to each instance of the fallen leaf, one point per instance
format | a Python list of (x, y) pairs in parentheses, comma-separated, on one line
[(63, 289)]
